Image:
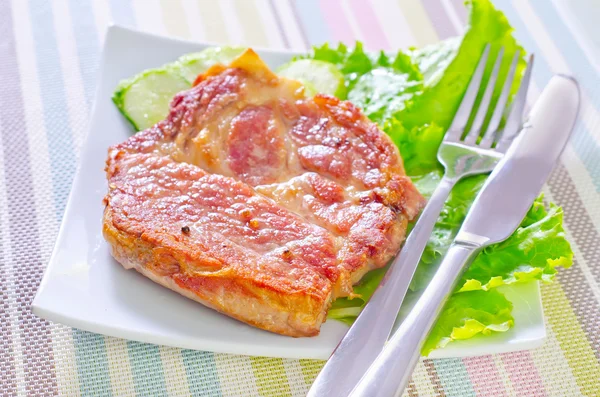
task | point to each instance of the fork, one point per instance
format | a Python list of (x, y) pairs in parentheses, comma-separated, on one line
[(462, 153)]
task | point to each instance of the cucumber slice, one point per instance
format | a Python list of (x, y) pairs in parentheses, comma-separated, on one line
[(191, 65), (144, 99), (309, 89), (321, 75)]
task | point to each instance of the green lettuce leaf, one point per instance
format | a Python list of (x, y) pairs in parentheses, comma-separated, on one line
[(383, 91), (355, 62), (433, 59), (418, 146), (448, 70), (468, 314), (377, 83), (413, 95), (532, 253)]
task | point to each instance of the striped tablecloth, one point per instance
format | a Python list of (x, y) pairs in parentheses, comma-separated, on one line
[(49, 53)]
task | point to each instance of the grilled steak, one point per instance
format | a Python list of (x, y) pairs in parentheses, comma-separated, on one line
[(256, 201)]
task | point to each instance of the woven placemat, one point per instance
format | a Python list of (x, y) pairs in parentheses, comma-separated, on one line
[(49, 52)]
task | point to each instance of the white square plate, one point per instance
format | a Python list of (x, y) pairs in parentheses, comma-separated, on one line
[(84, 287)]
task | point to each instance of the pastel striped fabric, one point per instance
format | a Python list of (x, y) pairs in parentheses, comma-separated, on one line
[(49, 53)]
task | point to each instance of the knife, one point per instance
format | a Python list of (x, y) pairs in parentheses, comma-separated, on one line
[(497, 211)]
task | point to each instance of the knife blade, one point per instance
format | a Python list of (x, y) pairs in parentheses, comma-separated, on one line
[(497, 211)]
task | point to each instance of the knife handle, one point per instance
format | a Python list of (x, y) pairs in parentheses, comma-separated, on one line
[(392, 369)]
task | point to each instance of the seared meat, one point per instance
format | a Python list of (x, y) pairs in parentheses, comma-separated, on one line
[(257, 201)]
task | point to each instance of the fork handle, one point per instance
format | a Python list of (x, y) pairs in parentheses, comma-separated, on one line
[(391, 371), (367, 336)]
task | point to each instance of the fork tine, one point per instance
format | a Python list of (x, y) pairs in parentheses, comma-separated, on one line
[(473, 134), (466, 105), (515, 117), (490, 134)]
